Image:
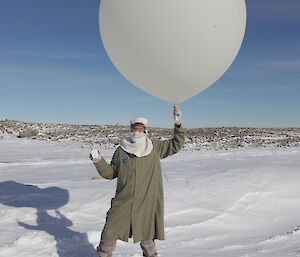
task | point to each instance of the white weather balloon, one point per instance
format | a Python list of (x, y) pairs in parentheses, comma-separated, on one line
[(172, 49)]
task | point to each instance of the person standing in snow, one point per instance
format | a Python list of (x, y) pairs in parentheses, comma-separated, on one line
[(137, 210)]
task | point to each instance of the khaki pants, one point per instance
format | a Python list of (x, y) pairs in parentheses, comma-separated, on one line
[(105, 249)]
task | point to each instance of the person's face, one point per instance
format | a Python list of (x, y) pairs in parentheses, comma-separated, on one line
[(137, 128)]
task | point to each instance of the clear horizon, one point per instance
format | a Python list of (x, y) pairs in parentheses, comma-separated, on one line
[(127, 125), (53, 69)]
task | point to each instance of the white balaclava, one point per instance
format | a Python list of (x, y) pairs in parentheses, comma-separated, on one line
[(137, 143), (141, 121)]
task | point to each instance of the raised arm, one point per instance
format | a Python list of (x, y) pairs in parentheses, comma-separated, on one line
[(172, 146), (108, 171)]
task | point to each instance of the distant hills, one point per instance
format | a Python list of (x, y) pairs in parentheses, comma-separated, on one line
[(109, 136)]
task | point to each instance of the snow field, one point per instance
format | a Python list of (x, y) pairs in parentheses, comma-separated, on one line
[(235, 203)]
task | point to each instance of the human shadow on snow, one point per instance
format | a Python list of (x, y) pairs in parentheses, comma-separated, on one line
[(69, 243)]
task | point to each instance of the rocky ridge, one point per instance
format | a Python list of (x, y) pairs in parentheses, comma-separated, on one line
[(109, 136)]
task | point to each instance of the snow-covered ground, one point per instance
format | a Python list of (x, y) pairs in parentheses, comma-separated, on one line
[(235, 203)]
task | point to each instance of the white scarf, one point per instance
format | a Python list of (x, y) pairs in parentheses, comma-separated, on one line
[(137, 143)]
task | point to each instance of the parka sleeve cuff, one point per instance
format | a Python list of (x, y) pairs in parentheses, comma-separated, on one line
[(97, 160), (104, 169), (178, 128)]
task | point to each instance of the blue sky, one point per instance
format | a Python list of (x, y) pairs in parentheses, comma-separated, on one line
[(53, 68)]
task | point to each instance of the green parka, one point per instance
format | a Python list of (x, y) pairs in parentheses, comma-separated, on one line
[(137, 210)]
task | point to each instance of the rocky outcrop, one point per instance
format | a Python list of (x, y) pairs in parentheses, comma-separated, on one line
[(109, 136), (28, 133)]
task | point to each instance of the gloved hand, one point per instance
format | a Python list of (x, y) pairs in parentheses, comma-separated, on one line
[(177, 114), (95, 156)]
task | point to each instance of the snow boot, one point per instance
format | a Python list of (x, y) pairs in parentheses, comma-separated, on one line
[(155, 255), (148, 248), (105, 249)]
